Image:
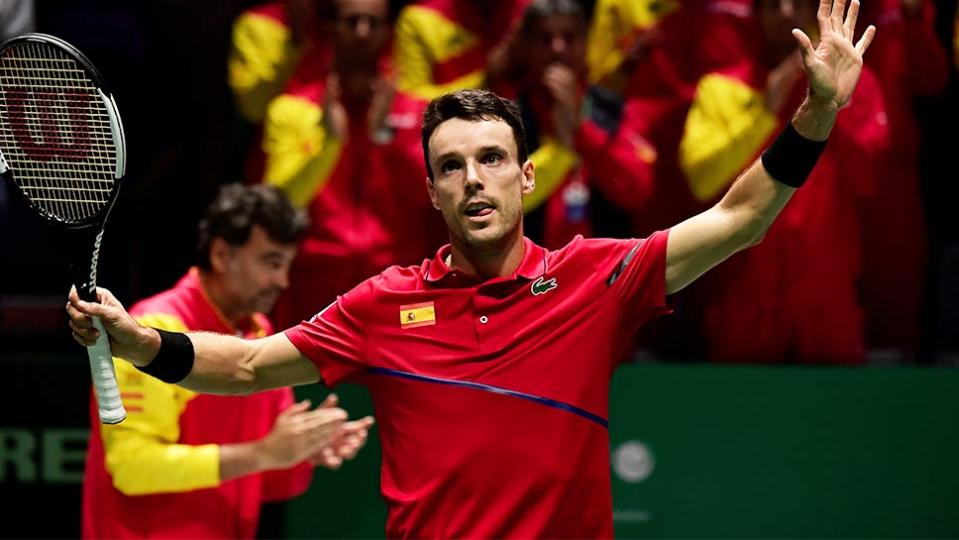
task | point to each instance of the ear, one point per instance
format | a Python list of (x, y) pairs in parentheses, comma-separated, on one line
[(529, 178), (220, 254), (432, 191)]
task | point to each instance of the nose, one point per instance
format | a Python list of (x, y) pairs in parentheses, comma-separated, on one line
[(362, 27), (558, 44), (473, 180), (281, 278)]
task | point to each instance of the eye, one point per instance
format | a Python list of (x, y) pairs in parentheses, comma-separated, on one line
[(491, 158), (449, 166)]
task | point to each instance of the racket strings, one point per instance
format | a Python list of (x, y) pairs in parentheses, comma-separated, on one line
[(55, 132)]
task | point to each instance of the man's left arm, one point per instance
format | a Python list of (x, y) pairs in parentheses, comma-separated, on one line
[(754, 200)]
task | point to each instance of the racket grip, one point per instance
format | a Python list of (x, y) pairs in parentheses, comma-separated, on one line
[(105, 378)]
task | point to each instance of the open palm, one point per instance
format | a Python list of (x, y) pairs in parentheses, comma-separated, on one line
[(834, 66)]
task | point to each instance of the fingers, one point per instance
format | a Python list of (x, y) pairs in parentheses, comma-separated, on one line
[(296, 408), (318, 418), (849, 27), (80, 313), (836, 16), (362, 424), (85, 336), (866, 39), (822, 16), (805, 45), (330, 401)]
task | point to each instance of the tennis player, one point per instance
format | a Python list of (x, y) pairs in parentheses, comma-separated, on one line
[(489, 365)]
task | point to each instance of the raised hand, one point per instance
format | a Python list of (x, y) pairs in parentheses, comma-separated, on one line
[(561, 82), (833, 67), (335, 119)]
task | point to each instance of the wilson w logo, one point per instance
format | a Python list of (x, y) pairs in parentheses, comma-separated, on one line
[(50, 125)]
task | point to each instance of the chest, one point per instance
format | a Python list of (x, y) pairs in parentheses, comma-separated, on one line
[(499, 333)]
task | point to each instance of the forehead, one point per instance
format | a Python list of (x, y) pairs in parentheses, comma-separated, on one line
[(347, 8), (466, 137), (558, 23), (261, 242)]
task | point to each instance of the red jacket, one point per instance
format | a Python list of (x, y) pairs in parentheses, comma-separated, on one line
[(156, 474)]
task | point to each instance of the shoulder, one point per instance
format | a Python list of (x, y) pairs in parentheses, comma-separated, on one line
[(274, 11), (394, 279), (605, 254)]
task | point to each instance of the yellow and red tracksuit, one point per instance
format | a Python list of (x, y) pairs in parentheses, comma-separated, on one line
[(910, 61), (156, 474), (441, 46), (264, 54), (794, 296), (660, 90), (367, 200), (619, 164), (615, 28)]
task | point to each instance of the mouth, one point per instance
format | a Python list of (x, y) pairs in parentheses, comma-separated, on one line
[(479, 209)]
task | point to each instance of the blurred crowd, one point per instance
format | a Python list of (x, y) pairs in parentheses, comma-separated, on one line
[(639, 114)]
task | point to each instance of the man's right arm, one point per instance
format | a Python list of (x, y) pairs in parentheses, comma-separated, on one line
[(221, 364)]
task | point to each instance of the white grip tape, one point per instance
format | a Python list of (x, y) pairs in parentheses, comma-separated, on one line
[(105, 378)]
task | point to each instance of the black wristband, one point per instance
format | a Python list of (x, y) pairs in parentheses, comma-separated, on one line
[(792, 157), (174, 360)]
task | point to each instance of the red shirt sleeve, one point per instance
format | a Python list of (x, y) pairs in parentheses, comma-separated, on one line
[(638, 275), (334, 339)]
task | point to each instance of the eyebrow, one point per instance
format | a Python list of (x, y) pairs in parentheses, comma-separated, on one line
[(483, 150)]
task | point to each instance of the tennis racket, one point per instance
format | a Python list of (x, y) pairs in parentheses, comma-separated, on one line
[(62, 146)]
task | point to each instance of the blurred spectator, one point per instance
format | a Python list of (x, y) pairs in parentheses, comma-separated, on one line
[(910, 61), (447, 45), (620, 35), (794, 297), (184, 465), (268, 41), (569, 129), (344, 144)]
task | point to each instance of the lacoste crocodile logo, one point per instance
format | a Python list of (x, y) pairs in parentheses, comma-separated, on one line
[(543, 286)]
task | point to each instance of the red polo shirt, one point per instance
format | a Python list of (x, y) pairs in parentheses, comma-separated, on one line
[(492, 396)]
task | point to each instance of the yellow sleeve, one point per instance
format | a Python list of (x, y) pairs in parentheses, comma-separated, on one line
[(615, 23), (261, 59), (423, 38), (300, 154), (955, 41), (141, 453), (726, 128), (551, 162)]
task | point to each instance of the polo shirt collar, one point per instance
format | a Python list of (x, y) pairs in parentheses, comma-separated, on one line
[(531, 267)]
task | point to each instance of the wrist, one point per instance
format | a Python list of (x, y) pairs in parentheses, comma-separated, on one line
[(172, 358), (148, 345), (260, 457), (815, 118)]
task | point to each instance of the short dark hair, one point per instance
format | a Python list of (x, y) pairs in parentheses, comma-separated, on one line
[(540, 9), (472, 105), (237, 208)]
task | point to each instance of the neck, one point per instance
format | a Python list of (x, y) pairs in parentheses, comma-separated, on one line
[(216, 291), (487, 264)]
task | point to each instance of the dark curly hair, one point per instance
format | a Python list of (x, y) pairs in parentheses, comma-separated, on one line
[(237, 208)]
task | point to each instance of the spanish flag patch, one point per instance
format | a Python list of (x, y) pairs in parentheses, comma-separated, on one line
[(414, 315)]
